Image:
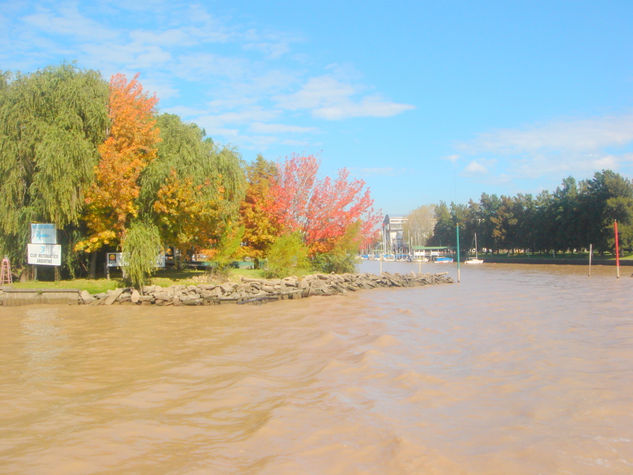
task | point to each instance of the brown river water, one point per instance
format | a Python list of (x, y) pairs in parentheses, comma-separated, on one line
[(517, 369)]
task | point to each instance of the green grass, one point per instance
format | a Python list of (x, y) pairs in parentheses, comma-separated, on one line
[(164, 278), (237, 274), (94, 286)]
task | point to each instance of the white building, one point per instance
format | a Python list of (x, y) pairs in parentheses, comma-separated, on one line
[(393, 235)]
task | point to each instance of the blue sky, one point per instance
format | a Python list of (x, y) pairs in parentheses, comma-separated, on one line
[(425, 101)]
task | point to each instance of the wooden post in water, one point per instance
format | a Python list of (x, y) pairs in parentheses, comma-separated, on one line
[(458, 270), (381, 256), (590, 254), (617, 250)]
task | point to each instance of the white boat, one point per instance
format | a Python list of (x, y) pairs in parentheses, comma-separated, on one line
[(474, 260)]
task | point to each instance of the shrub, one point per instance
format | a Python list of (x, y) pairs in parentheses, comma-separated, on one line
[(287, 255), (341, 259), (141, 246)]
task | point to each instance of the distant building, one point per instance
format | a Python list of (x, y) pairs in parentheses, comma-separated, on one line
[(393, 235)]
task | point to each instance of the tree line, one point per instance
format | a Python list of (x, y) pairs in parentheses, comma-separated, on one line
[(569, 219), (99, 161)]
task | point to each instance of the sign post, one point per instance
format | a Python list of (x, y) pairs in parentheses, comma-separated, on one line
[(43, 249), (617, 250), (458, 270)]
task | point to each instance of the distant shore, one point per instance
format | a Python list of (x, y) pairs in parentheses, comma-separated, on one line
[(573, 261)]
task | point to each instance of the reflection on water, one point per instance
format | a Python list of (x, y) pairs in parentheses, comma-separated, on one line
[(518, 369)]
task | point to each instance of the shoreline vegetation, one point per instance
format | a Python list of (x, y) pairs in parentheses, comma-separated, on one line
[(100, 164), (246, 291)]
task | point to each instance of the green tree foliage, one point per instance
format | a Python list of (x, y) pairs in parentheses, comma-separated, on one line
[(228, 248), (419, 225), (193, 188), (572, 217), (51, 123), (608, 197), (141, 246), (288, 255), (342, 257), (444, 230)]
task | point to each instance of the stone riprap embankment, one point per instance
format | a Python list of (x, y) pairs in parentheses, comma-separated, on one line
[(260, 290)]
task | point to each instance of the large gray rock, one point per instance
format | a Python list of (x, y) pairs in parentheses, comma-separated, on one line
[(85, 297), (111, 296)]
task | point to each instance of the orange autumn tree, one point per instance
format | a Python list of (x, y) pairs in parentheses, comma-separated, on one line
[(324, 211), (260, 227), (186, 215), (129, 147)]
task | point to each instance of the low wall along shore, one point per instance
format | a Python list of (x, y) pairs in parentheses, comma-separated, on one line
[(247, 291)]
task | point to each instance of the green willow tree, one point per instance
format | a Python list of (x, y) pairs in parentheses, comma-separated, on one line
[(193, 188), (51, 123), (141, 245)]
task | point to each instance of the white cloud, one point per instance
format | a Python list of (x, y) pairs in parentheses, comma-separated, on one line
[(263, 128), (475, 167), (69, 22), (163, 88), (317, 93), (272, 49), (573, 135), (556, 148), (367, 107), (329, 98), (605, 162), (171, 37), (227, 76), (200, 66)]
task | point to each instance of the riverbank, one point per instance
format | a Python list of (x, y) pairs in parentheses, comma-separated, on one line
[(248, 290), (572, 261)]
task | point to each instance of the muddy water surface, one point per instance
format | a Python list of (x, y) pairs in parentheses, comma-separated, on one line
[(518, 369)]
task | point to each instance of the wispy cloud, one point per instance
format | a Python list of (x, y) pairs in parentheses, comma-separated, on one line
[(68, 21), (327, 97), (227, 76), (558, 147), (475, 167), (264, 128), (574, 135)]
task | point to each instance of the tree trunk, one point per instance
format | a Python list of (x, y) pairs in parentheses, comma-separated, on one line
[(92, 273)]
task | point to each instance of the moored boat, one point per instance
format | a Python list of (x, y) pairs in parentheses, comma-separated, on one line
[(443, 260), (474, 260)]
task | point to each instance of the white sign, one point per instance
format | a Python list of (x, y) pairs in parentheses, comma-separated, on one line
[(45, 254), (117, 259), (42, 233)]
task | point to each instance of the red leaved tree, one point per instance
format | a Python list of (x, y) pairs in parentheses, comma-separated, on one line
[(322, 210)]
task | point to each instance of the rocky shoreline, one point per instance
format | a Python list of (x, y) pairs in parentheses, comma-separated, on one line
[(255, 291)]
